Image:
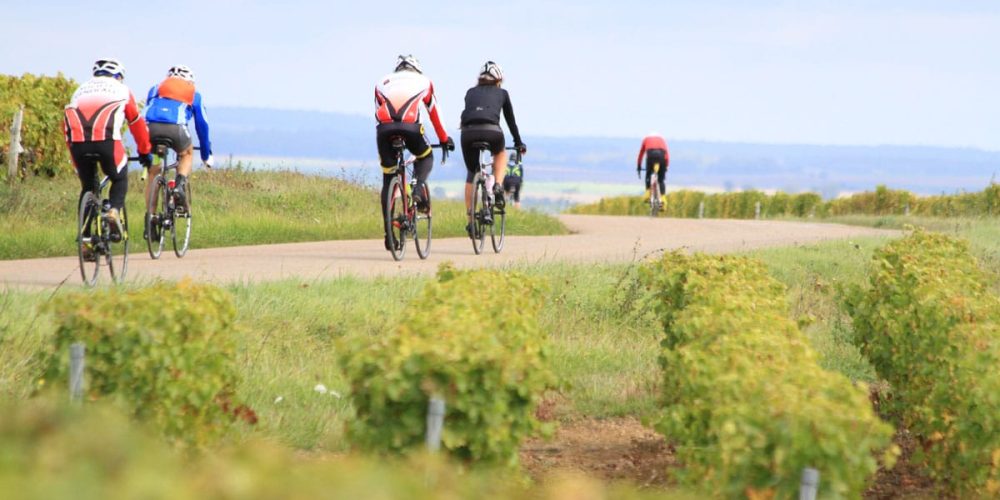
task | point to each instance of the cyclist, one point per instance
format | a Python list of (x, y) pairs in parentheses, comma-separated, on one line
[(93, 129), (655, 149), (400, 98), (512, 179), (481, 123), (169, 108)]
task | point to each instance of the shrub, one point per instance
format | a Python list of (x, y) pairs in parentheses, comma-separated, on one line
[(486, 359), (43, 98), (931, 327), (745, 400), (165, 353)]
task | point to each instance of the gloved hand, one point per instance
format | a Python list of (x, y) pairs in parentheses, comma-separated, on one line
[(449, 144), (522, 148), (146, 160), (209, 161), (638, 172)]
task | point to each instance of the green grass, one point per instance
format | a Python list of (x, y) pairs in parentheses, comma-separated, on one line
[(231, 207)]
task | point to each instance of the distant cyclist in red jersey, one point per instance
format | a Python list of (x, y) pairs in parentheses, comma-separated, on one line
[(93, 128), (655, 149)]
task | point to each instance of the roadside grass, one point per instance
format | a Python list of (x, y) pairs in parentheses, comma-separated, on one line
[(231, 207)]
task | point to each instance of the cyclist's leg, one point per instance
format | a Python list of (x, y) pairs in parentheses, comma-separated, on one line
[(661, 179), (114, 161), (86, 170), (387, 160), (497, 144), (471, 157), (417, 144)]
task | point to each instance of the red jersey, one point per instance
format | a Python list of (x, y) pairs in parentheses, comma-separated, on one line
[(401, 96), (97, 111), (650, 143)]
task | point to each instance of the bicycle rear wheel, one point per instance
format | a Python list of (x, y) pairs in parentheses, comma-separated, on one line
[(395, 219), (654, 199), (479, 213), (118, 251), (499, 227), (155, 239), (86, 246), (182, 224), (422, 227)]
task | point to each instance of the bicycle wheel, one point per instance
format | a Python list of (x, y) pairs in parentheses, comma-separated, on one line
[(182, 224), (498, 227), (395, 219), (478, 215), (422, 228), (118, 252), (155, 239), (86, 247), (654, 199)]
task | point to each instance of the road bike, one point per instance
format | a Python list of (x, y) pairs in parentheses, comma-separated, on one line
[(485, 212), (173, 216), (402, 217), (98, 241)]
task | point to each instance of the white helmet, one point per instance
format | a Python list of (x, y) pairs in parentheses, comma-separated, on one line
[(408, 62), (181, 71), (491, 71), (109, 67)]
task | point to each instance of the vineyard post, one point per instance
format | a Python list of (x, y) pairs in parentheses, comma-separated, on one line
[(701, 209), (756, 210), (435, 423), (76, 364), (809, 485), (906, 209), (15, 144)]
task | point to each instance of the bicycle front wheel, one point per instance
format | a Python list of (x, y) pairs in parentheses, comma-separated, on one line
[(479, 213), (155, 239), (118, 251), (395, 219), (422, 227), (181, 234), (87, 238)]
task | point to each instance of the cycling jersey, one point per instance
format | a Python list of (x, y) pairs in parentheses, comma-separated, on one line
[(98, 110), (651, 143), (176, 101), (400, 96), (483, 104)]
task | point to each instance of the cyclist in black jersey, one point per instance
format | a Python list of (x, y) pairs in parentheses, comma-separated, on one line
[(481, 123)]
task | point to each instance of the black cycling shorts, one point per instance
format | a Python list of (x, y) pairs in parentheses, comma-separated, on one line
[(512, 185), (491, 134), (413, 136), (178, 134)]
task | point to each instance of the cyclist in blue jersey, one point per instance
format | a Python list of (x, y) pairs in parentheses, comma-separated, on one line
[(169, 108)]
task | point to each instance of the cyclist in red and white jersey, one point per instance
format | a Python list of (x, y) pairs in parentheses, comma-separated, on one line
[(401, 98), (93, 129), (654, 146)]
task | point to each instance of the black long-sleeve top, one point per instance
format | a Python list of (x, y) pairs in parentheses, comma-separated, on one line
[(483, 104)]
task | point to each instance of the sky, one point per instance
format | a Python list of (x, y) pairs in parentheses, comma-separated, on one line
[(908, 72)]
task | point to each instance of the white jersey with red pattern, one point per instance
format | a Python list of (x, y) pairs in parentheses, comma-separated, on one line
[(401, 96), (98, 110)]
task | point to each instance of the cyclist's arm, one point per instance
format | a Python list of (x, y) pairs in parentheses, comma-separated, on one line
[(642, 151), (201, 127), (666, 156), (431, 102), (137, 125), (508, 114)]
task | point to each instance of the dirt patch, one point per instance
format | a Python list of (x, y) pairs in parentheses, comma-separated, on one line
[(610, 449), (906, 479)]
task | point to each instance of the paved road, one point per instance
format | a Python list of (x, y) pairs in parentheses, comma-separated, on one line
[(593, 239)]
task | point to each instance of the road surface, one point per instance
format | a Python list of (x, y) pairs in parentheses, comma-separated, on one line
[(594, 239)]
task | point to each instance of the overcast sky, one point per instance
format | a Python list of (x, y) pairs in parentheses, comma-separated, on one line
[(821, 72)]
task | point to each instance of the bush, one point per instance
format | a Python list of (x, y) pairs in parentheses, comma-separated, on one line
[(165, 353), (931, 327), (745, 400), (459, 341), (43, 98)]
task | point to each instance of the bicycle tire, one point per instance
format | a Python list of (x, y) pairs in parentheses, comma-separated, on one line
[(181, 250), (654, 199), (478, 215), (499, 221), (423, 220), (395, 217), (155, 245), (119, 270), (87, 223)]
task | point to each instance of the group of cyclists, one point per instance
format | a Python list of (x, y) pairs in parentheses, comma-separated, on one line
[(93, 124), (100, 107)]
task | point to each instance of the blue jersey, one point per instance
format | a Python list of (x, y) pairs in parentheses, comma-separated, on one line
[(175, 101)]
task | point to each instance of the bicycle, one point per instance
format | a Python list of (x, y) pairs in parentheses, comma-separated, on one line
[(401, 215), (484, 210), (655, 205), (171, 214), (96, 240)]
